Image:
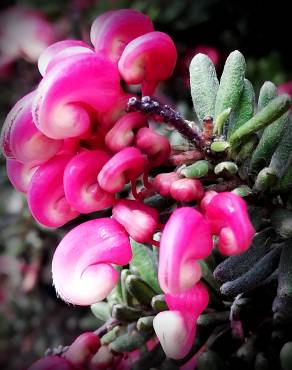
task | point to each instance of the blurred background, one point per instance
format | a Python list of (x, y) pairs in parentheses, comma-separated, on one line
[(32, 319)]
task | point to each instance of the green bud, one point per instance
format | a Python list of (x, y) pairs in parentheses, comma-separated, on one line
[(242, 191), (247, 148), (286, 356), (125, 313), (282, 222), (227, 167), (220, 146), (158, 303), (145, 323), (266, 179), (110, 336), (196, 170), (139, 289), (101, 310), (127, 299), (128, 342)]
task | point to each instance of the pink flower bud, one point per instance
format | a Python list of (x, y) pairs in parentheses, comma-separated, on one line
[(58, 51), (84, 258), (24, 33), (148, 59), (123, 167), (102, 360), (20, 174), (176, 329), (113, 30), (209, 195), (186, 190), (186, 238), (72, 91), (45, 196), (81, 188), (139, 220), (162, 183), (122, 134), (20, 138), (156, 146), (228, 217), (82, 350), (51, 363)]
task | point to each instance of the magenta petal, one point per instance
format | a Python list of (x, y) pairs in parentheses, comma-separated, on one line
[(148, 59), (51, 363), (113, 30), (59, 50), (45, 196), (71, 91), (20, 174), (162, 182), (81, 188), (138, 219), (84, 258), (186, 190), (124, 166), (186, 238), (228, 217)]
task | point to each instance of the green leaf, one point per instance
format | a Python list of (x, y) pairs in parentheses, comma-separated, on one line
[(139, 289), (196, 170), (143, 262)]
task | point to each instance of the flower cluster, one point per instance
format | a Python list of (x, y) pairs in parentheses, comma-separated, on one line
[(72, 148)]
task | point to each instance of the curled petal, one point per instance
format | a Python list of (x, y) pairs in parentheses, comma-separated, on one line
[(59, 50), (122, 134), (162, 182), (186, 190), (123, 167), (45, 196), (84, 259), (186, 238), (228, 217), (148, 59), (50, 363), (156, 146), (209, 195), (139, 220), (20, 174), (72, 91), (81, 188), (20, 138), (82, 349), (176, 329), (113, 30)]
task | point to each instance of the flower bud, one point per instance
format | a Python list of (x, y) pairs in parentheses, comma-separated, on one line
[(162, 183), (186, 190), (50, 363)]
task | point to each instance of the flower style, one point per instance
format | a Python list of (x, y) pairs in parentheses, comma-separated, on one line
[(228, 217), (84, 259), (185, 239)]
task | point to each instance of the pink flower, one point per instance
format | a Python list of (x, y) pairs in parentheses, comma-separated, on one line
[(20, 174), (186, 190), (228, 217), (156, 146), (126, 165), (73, 92), (81, 267), (186, 238), (82, 350), (176, 328), (139, 220), (162, 183), (122, 133), (45, 195), (147, 60), (81, 188), (24, 33), (113, 30), (20, 138)]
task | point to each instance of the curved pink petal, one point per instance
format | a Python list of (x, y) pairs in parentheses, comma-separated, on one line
[(20, 138), (209, 195), (123, 132), (73, 91), (162, 182), (156, 146), (176, 328), (123, 167), (139, 220), (82, 349), (113, 30), (228, 217), (20, 174), (186, 238), (45, 196), (51, 363), (81, 188), (148, 59), (186, 190), (60, 50), (84, 259)]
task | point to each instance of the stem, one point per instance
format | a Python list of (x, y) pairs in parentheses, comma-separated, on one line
[(168, 115)]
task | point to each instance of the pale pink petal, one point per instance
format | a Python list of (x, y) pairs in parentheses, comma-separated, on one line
[(162, 182), (20, 174), (82, 349)]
